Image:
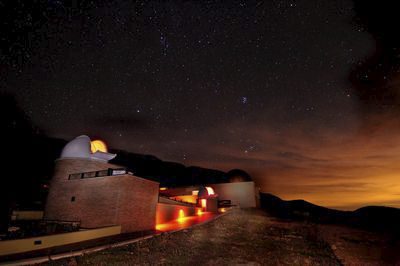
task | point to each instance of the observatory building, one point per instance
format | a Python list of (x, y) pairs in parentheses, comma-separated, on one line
[(88, 190)]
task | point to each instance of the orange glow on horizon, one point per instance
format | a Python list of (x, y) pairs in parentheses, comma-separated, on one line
[(98, 145), (342, 170)]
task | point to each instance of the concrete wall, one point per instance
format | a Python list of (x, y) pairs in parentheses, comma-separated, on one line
[(169, 212), (186, 198), (124, 200), (180, 191), (241, 193), (8, 247), (211, 204), (173, 202)]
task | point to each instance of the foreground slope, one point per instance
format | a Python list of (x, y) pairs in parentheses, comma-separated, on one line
[(240, 237)]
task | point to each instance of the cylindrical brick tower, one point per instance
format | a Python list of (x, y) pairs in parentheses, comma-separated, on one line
[(75, 162)]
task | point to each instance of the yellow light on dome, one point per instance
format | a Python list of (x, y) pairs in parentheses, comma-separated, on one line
[(210, 191), (98, 145)]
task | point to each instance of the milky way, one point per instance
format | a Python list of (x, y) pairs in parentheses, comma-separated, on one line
[(279, 89)]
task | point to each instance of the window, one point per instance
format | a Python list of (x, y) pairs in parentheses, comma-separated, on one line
[(121, 171), (72, 198), (75, 176), (102, 173), (89, 175)]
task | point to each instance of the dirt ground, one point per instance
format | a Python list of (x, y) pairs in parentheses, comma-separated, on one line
[(357, 247), (242, 237)]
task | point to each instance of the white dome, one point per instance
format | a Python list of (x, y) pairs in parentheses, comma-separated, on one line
[(79, 147)]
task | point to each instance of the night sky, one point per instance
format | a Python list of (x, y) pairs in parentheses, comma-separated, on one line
[(303, 95)]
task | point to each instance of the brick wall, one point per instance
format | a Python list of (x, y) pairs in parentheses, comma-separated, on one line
[(124, 200)]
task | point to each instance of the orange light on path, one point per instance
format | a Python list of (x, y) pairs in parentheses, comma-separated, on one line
[(98, 145), (199, 212), (185, 222), (181, 216)]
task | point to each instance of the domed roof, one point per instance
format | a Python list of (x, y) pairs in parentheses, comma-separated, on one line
[(206, 192), (80, 147), (238, 175)]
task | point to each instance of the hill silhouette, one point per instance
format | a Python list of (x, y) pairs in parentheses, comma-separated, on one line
[(372, 218), (168, 174)]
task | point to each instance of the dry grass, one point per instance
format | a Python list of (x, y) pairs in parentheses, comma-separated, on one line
[(241, 237)]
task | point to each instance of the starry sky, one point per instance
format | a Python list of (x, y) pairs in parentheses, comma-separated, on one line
[(303, 95)]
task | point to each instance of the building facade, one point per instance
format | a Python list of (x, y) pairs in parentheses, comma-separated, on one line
[(95, 193), (88, 190)]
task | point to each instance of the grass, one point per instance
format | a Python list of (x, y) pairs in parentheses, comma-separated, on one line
[(241, 237)]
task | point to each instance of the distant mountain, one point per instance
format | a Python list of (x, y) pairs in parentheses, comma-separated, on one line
[(168, 174), (374, 218)]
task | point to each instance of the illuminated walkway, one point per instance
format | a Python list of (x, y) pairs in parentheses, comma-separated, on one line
[(185, 222), (107, 243)]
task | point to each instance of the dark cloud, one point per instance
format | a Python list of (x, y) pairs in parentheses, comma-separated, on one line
[(376, 78)]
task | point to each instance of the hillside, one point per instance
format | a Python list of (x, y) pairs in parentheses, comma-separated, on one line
[(373, 218), (169, 174)]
